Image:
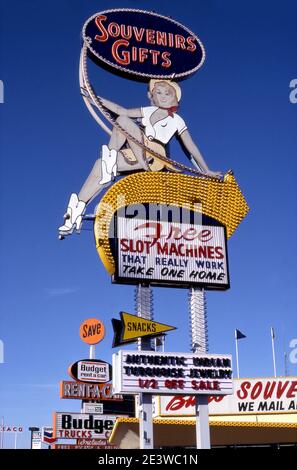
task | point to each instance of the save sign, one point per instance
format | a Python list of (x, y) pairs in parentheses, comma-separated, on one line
[(92, 331)]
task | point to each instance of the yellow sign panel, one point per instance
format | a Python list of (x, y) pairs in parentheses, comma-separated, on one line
[(135, 327), (220, 200)]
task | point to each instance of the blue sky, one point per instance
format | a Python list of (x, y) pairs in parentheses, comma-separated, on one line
[(238, 110)]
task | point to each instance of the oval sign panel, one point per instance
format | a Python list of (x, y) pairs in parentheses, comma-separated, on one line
[(90, 371), (143, 44)]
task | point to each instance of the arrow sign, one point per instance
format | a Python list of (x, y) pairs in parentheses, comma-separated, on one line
[(131, 327)]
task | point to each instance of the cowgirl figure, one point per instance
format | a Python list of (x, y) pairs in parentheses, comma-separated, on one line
[(158, 124)]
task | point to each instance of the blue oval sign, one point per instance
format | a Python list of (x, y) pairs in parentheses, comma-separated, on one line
[(143, 44)]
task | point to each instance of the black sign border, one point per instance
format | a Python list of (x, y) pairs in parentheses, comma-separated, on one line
[(72, 371)]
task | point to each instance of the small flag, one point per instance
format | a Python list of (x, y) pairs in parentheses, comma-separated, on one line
[(272, 333), (239, 335)]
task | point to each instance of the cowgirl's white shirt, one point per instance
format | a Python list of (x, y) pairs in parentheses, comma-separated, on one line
[(162, 130)]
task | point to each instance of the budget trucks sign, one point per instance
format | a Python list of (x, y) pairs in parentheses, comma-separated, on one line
[(82, 425), (163, 373), (171, 253), (143, 44)]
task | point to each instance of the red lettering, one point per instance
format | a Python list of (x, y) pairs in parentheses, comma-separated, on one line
[(126, 31), (166, 61), (257, 389), (216, 399), (205, 235), (188, 232), (143, 54), (269, 389), (177, 402), (134, 54), (124, 59), (161, 38), (292, 390), (150, 36), (210, 252), (114, 30), (148, 383), (124, 244), (219, 252), (281, 388), (155, 55), (242, 393), (174, 384), (180, 42), (138, 33), (104, 35), (191, 44)]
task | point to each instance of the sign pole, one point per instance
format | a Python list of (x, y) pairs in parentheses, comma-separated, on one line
[(237, 357), (92, 352), (2, 432), (144, 308), (199, 344), (273, 350)]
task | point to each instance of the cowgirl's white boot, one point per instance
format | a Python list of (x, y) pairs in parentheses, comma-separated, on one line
[(108, 164), (73, 216)]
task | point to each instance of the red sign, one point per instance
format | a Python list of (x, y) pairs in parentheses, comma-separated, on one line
[(269, 395)]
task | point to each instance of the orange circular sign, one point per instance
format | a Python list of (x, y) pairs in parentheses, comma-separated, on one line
[(92, 331)]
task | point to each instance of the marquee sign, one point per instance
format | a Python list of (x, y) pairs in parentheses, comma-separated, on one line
[(251, 396), (90, 371), (171, 253), (143, 44), (85, 391), (82, 425), (162, 373)]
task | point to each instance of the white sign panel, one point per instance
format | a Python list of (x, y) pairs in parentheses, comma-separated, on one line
[(47, 433), (93, 372), (36, 440), (165, 373), (82, 425), (251, 396), (96, 408), (171, 253)]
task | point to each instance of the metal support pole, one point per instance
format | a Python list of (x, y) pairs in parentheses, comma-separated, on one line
[(92, 351), (198, 320), (2, 433), (144, 308), (237, 357), (199, 344)]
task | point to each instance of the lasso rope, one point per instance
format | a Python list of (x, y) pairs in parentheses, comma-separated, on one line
[(97, 103)]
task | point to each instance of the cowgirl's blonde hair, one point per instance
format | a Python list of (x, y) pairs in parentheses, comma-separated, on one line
[(174, 85)]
